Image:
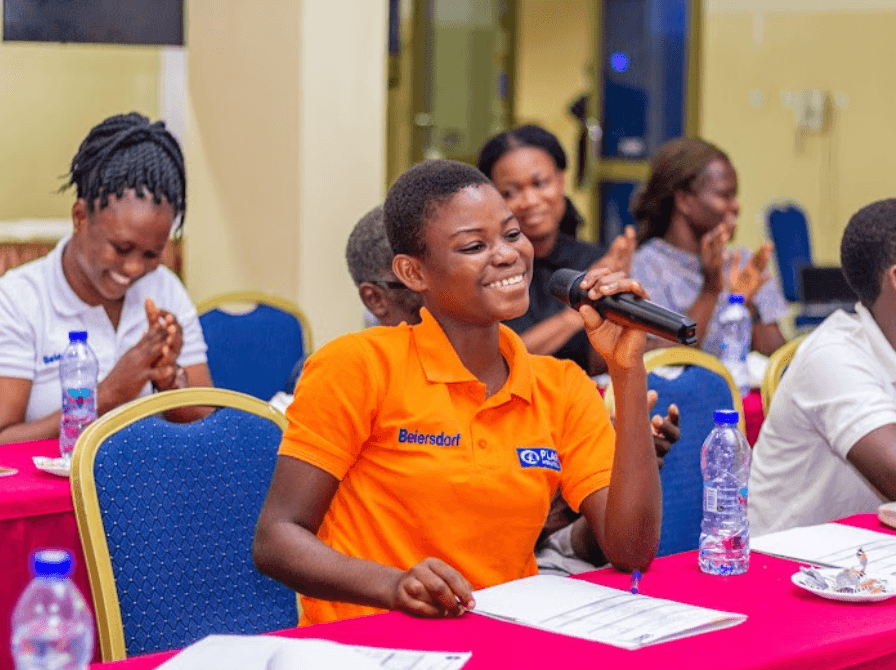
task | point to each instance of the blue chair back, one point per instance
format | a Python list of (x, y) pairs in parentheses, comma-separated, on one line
[(255, 352), (789, 230), (698, 392), (179, 503)]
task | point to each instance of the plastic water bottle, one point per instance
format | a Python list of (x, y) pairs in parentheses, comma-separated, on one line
[(51, 625), (725, 530), (78, 370), (737, 333)]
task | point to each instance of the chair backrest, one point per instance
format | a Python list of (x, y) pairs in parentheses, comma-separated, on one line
[(166, 513), (777, 363), (702, 386), (789, 229), (254, 352)]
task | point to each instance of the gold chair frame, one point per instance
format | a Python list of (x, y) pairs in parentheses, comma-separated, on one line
[(87, 510), (260, 298), (687, 356), (777, 363)]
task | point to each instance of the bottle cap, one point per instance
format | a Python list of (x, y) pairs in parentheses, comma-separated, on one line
[(51, 563), (77, 336), (728, 417), (736, 298)]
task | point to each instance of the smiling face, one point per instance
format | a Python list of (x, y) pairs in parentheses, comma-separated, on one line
[(478, 264), (533, 186), (712, 200), (115, 246)]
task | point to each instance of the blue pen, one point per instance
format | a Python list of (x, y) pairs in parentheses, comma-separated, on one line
[(636, 581)]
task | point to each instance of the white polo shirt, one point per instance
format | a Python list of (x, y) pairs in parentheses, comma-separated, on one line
[(38, 308), (840, 386)]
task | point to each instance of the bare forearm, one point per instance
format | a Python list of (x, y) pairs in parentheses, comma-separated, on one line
[(294, 556), (634, 499), (46, 428), (702, 309), (547, 337), (188, 414), (767, 338)]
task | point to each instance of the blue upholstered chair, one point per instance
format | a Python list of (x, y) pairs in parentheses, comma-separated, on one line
[(788, 227), (699, 384), (166, 513), (789, 230), (255, 352)]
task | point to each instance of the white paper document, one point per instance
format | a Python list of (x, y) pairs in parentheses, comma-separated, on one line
[(264, 652), (599, 613), (831, 544)]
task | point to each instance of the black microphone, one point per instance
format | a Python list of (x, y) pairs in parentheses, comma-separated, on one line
[(626, 309)]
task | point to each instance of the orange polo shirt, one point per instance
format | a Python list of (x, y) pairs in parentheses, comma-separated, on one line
[(428, 466)]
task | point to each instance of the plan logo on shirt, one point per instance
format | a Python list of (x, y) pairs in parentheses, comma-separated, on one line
[(538, 457), (52, 359), (435, 439)]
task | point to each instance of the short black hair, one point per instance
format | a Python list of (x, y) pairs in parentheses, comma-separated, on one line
[(368, 254), (128, 151), (416, 195), (868, 248), (538, 138), (525, 136)]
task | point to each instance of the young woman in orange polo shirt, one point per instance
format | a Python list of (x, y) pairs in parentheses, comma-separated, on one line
[(420, 461)]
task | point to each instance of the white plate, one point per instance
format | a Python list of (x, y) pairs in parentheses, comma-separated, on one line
[(802, 581), (7, 472), (55, 466)]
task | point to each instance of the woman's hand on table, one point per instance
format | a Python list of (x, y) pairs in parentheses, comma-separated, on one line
[(432, 588)]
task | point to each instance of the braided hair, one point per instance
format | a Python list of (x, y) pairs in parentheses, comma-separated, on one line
[(127, 151)]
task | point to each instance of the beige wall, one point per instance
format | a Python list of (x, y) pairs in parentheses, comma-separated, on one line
[(285, 148), (754, 59), (50, 97), (554, 57)]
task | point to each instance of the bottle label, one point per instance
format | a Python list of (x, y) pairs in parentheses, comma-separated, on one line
[(711, 499)]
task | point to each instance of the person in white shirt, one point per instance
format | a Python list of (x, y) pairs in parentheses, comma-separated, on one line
[(107, 279), (828, 446)]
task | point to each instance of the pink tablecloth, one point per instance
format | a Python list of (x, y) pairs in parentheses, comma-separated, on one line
[(787, 628), (35, 512)]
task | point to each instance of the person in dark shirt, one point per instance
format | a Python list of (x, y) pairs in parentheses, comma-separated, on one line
[(527, 165)]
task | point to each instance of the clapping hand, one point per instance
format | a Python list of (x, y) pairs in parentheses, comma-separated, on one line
[(665, 430), (164, 372), (712, 255), (619, 257), (747, 280)]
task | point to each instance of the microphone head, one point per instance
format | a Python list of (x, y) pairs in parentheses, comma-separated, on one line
[(564, 285)]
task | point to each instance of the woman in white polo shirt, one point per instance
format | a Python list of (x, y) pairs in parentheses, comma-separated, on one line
[(107, 279)]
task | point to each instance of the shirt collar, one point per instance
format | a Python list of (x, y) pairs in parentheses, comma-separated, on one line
[(880, 346), (441, 363), (65, 300)]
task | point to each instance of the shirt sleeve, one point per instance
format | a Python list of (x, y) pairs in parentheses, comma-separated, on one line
[(334, 406), (843, 394), (648, 271), (587, 439), (18, 343)]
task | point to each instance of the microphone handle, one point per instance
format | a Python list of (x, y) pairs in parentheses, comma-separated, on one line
[(627, 309)]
